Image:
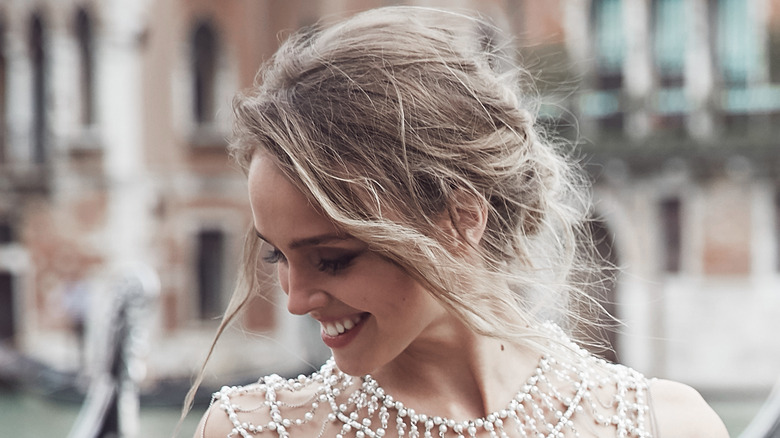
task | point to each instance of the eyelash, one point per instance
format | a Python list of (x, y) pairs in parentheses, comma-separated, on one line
[(274, 256), (331, 266), (334, 266)]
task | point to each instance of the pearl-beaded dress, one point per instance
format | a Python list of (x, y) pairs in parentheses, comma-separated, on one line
[(571, 394)]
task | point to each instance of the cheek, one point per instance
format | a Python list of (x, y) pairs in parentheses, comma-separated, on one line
[(400, 290)]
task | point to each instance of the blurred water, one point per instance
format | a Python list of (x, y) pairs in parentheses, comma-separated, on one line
[(26, 415), (737, 414)]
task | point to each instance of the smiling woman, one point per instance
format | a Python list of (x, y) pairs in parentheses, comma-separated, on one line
[(370, 308), (411, 207)]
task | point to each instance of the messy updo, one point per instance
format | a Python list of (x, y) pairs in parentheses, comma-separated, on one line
[(401, 116), (392, 119)]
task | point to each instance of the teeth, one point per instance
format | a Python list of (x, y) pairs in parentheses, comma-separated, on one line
[(339, 327)]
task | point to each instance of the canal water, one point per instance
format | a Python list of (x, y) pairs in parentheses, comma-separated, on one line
[(29, 415)]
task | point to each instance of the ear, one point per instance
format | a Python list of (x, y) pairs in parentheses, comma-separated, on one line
[(468, 215)]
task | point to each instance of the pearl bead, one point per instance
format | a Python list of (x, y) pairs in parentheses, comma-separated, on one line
[(570, 382)]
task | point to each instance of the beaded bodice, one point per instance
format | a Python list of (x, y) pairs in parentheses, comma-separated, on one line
[(570, 394)]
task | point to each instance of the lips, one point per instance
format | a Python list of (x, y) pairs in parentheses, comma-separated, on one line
[(338, 327), (338, 333)]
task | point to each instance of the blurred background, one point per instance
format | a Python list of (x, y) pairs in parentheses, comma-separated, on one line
[(114, 116)]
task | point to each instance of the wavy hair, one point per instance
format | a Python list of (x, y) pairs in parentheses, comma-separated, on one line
[(397, 116)]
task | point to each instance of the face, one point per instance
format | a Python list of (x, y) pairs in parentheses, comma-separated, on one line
[(371, 311)]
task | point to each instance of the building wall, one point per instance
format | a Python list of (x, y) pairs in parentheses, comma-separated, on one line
[(146, 180), (707, 147)]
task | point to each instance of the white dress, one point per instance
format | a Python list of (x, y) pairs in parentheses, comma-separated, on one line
[(571, 394)]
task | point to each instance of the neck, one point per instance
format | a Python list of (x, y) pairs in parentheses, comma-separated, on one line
[(453, 372)]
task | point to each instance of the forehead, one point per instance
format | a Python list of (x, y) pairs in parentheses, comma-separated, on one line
[(264, 173), (281, 212)]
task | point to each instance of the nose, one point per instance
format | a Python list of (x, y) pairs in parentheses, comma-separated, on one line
[(303, 296)]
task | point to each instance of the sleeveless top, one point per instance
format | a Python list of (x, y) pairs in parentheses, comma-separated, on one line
[(571, 392)]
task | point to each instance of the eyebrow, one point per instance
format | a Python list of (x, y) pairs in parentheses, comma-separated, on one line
[(310, 241)]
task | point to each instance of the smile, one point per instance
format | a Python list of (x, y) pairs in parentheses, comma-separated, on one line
[(339, 327)]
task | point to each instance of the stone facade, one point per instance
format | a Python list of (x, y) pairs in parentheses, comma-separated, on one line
[(113, 151), (683, 148)]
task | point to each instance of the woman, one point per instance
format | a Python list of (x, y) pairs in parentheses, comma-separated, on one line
[(410, 206)]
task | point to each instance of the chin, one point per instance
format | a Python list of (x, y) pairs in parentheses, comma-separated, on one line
[(352, 367), (362, 363)]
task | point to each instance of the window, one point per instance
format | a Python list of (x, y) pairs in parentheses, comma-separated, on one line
[(38, 61), (669, 39), (736, 41), (777, 228), (6, 231), (608, 42), (83, 26), (669, 35), (3, 157), (7, 317), (671, 234), (211, 252), (774, 53), (204, 71)]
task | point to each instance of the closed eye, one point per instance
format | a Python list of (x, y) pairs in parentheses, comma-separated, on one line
[(335, 265), (274, 256)]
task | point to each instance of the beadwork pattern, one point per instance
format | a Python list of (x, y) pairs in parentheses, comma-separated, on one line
[(546, 406)]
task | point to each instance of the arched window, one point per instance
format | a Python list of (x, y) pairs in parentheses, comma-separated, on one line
[(774, 52), (608, 42), (6, 230), (204, 72), (669, 39), (39, 78), (777, 226), (608, 47), (736, 42), (3, 98), (210, 272), (84, 37), (671, 223), (669, 34), (7, 305)]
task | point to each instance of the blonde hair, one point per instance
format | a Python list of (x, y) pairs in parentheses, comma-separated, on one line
[(392, 118)]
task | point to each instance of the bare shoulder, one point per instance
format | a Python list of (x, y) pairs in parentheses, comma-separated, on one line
[(218, 420), (680, 411), (272, 405), (213, 424)]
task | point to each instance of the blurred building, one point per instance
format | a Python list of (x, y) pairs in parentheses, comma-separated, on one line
[(679, 115), (112, 150)]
